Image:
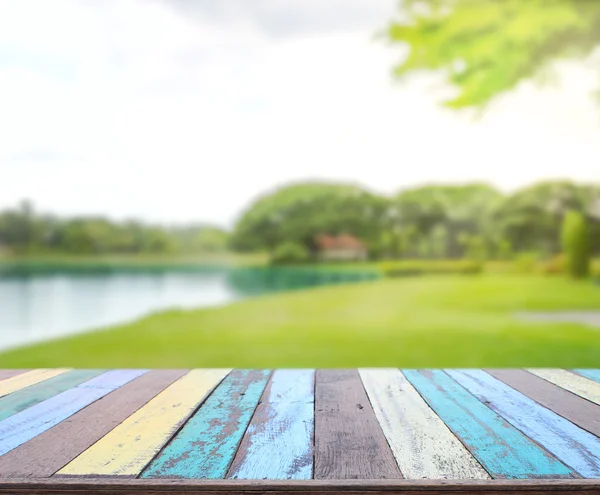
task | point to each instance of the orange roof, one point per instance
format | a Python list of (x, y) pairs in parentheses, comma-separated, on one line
[(344, 241)]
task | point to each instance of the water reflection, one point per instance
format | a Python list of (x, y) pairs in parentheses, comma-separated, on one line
[(37, 306)]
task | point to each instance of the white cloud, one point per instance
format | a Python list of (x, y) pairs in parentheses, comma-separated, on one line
[(131, 108)]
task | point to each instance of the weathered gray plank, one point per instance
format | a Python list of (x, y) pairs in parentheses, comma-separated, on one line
[(576, 409), (349, 443)]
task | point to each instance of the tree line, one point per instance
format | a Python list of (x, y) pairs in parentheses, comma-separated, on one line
[(25, 231), (474, 221)]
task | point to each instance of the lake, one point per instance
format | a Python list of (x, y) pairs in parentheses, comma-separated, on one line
[(38, 304)]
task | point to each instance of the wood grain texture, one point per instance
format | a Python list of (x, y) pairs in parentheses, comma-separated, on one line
[(57, 486), (279, 441), (8, 373), (584, 387), (574, 446), (503, 450), (127, 449), (588, 373), (30, 396), (22, 380), (349, 442), (206, 445), (27, 424), (422, 444), (570, 406), (45, 454)]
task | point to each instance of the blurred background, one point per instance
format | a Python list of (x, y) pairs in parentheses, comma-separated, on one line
[(323, 183)]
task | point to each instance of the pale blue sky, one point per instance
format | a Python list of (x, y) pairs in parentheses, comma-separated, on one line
[(185, 110)]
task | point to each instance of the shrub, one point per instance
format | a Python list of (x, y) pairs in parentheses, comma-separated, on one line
[(430, 267), (575, 244), (526, 262), (290, 252), (555, 265)]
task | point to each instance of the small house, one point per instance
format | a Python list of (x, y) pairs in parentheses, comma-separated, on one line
[(344, 247)]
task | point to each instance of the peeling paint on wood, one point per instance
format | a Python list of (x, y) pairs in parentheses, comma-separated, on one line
[(279, 441), (127, 449), (29, 423), (30, 396), (591, 374), (22, 380), (502, 449), (579, 385), (423, 445), (206, 445), (574, 446)]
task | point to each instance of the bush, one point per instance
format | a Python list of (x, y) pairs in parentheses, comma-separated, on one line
[(526, 262), (290, 252), (575, 244), (430, 267), (555, 265)]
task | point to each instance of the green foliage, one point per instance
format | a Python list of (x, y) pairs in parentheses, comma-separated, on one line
[(526, 262), (300, 212), (575, 241), (290, 253), (485, 48), (430, 267), (24, 231)]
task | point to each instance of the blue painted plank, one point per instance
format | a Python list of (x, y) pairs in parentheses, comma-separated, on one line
[(22, 399), (206, 445), (279, 440), (500, 448), (29, 423), (591, 374), (574, 446)]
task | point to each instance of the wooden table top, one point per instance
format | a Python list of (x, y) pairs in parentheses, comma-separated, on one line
[(366, 430)]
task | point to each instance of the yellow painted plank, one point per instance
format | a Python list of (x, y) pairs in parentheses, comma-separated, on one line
[(14, 383), (127, 449), (584, 387)]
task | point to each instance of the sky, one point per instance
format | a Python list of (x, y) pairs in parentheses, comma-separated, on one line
[(185, 110)]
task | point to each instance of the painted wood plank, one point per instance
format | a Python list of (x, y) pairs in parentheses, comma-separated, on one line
[(27, 424), (127, 449), (589, 373), (576, 409), (8, 373), (574, 446), (279, 441), (22, 380), (349, 442), (45, 454), (502, 449), (584, 387), (422, 444), (206, 445), (22, 399)]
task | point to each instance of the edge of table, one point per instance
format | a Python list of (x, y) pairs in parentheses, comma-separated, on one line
[(63, 486)]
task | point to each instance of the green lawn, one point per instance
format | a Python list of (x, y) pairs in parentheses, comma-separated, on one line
[(454, 321)]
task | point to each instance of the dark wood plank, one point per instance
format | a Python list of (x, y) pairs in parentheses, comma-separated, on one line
[(8, 373), (61, 486), (45, 454), (568, 405), (349, 443)]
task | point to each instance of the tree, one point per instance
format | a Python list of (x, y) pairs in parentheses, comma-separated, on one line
[(575, 241), (484, 48), (300, 212)]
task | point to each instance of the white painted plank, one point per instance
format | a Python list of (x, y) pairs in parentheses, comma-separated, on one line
[(584, 387), (422, 444)]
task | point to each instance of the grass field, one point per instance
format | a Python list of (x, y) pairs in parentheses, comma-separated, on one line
[(432, 321)]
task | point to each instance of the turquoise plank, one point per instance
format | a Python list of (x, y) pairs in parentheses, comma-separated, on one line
[(206, 445), (500, 448), (27, 424), (22, 399), (574, 446), (591, 374), (279, 441)]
